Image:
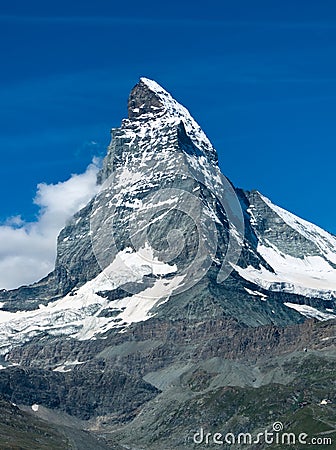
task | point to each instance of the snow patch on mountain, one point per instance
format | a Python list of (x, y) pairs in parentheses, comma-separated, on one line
[(311, 276), (310, 312), (256, 294), (68, 366), (78, 313)]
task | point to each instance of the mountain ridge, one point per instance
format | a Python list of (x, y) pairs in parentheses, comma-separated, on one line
[(177, 300), (160, 156)]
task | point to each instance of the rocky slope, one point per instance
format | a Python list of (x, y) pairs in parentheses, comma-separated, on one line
[(167, 228), (171, 288)]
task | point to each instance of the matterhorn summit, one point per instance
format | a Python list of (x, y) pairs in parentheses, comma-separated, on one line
[(168, 229), (169, 284)]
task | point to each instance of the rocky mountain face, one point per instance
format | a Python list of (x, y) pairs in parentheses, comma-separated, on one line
[(171, 287)]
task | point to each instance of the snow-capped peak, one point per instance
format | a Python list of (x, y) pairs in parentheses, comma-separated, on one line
[(148, 100)]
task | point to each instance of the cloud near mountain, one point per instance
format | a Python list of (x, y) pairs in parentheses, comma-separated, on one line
[(28, 249)]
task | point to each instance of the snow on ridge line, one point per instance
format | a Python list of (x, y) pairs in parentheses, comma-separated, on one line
[(174, 108), (325, 241), (154, 86), (311, 276)]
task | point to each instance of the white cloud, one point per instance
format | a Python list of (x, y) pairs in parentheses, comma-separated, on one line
[(28, 249)]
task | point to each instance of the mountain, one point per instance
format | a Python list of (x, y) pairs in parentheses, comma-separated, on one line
[(169, 286)]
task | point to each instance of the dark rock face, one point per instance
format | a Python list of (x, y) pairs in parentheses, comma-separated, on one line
[(270, 226), (193, 362), (151, 345), (25, 429), (84, 393), (143, 100), (21, 430)]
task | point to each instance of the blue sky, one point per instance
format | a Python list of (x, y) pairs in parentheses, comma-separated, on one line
[(259, 76)]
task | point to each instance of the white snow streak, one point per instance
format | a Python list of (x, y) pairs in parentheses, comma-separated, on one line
[(309, 311), (77, 314)]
